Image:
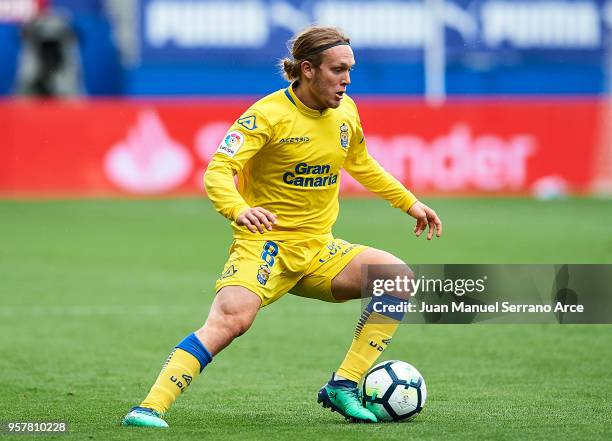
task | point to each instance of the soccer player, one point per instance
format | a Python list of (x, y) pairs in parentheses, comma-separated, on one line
[(287, 150)]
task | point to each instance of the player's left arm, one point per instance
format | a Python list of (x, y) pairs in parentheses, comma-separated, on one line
[(425, 217), (369, 173)]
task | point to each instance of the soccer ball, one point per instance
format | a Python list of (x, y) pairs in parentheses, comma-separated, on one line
[(394, 391)]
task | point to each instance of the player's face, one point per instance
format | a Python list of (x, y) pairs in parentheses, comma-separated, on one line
[(331, 78)]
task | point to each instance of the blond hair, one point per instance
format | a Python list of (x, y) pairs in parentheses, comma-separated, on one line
[(309, 45)]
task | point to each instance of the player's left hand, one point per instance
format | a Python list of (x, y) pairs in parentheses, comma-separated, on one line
[(425, 216)]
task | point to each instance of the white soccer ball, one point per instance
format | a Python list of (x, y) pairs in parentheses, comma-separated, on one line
[(394, 391)]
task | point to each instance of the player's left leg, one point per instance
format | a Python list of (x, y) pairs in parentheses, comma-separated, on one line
[(374, 330), (373, 333), (335, 276)]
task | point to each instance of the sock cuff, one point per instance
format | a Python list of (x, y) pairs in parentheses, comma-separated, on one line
[(387, 305), (343, 383), (351, 375), (194, 346)]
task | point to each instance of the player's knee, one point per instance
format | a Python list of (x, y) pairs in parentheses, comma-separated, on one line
[(234, 310), (398, 269), (241, 325), (226, 324), (224, 327), (390, 267), (235, 324)]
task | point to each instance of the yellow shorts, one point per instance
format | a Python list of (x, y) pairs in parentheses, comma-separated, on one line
[(273, 268)]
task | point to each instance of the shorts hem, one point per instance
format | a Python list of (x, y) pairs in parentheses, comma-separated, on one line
[(325, 286)]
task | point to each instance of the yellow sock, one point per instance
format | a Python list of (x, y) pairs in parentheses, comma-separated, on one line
[(178, 372), (183, 366), (372, 335)]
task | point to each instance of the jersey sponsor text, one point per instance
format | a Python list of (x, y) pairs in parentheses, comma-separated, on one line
[(297, 178)]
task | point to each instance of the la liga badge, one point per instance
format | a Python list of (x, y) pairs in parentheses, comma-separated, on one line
[(231, 143)]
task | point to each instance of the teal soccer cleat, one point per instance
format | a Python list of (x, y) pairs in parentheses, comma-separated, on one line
[(143, 417), (342, 396)]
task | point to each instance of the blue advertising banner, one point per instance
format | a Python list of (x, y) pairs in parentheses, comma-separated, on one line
[(197, 31)]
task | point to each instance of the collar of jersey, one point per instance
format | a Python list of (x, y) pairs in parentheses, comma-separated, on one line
[(303, 108)]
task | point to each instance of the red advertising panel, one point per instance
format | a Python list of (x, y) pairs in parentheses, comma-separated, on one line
[(80, 148), (20, 10)]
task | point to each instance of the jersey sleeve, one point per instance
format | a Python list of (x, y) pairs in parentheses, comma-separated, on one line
[(242, 141), (369, 173)]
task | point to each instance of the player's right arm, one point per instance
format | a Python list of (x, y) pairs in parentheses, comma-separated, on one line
[(238, 146)]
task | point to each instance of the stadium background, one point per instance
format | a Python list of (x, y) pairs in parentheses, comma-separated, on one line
[(497, 113)]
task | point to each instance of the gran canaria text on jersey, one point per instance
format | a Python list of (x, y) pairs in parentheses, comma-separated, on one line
[(297, 178)]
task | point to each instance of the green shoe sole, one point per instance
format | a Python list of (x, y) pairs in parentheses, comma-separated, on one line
[(143, 418)]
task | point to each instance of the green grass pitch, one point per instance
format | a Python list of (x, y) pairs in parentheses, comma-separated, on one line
[(94, 294)]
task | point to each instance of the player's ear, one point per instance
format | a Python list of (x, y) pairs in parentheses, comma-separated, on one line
[(307, 69)]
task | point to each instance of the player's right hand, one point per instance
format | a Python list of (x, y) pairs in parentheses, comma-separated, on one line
[(256, 219)]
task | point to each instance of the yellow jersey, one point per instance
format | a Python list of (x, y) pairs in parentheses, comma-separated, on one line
[(288, 159)]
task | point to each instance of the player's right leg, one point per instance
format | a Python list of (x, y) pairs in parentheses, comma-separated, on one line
[(231, 314)]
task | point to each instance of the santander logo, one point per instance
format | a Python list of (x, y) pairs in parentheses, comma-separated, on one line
[(457, 161), (148, 160)]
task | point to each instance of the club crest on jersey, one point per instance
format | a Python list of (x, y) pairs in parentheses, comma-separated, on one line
[(231, 143), (248, 122), (344, 137), (263, 273)]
